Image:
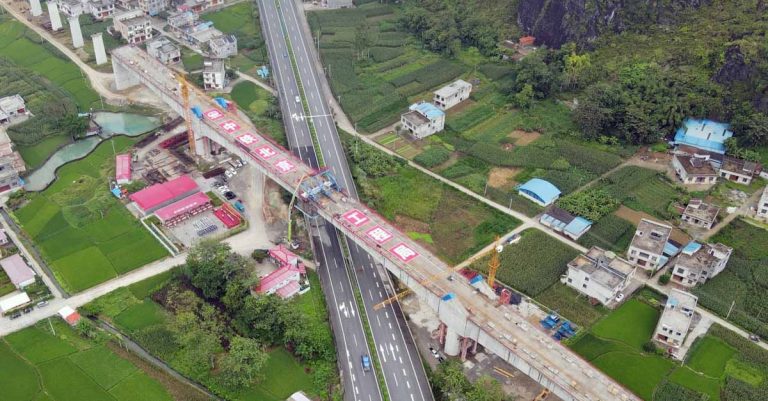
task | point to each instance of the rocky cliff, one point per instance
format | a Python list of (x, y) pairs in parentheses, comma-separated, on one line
[(554, 22)]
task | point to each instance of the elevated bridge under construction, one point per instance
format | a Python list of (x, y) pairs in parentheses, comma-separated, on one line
[(470, 313)]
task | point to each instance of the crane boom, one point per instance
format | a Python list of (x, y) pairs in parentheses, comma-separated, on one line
[(493, 264), (187, 111)]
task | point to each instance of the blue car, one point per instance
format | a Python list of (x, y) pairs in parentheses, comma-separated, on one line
[(366, 363)]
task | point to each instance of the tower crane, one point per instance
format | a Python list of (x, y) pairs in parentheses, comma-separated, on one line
[(493, 264), (187, 111)]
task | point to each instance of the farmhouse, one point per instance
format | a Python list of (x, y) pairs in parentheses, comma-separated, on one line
[(699, 262), (9, 172), (214, 74), (18, 271), (222, 46), (164, 51), (452, 94), (13, 301), (289, 279), (599, 274), (153, 7), (738, 170), (676, 319), (648, 245), (539, 191), (565, 223), (700, 214), (133, 25), (183, 209), (101, 9), (703, 134), (694, 170), (71, 8), (156, 196), (11, 106), (716, 159), (762, 205), (423, 119)]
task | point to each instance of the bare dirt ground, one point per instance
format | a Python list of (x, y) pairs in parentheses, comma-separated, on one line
[(501, 177), (460, 107), (523, 138), (634, 216)]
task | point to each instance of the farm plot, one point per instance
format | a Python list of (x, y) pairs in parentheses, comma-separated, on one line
[(69, 368), (533, 264), (745, 281), (610, 232), (642, 189), (83, 232)]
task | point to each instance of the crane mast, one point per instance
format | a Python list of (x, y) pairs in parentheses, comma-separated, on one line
[(187, 111)]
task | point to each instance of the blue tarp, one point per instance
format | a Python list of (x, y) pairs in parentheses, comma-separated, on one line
[(197, 112), (670, 249), (222, 102), (428, 110), (449, 296), (691, 248), (476, 279), (116, 191)]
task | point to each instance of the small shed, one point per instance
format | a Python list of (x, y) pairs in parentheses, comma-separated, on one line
[(13, 301), (539, 191), (69, 315), (123, 168)]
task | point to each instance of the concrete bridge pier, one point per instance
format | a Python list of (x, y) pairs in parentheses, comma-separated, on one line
[(124, 77), (452, 342)]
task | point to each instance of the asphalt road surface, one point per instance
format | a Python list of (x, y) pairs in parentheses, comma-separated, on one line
[(404, 373)]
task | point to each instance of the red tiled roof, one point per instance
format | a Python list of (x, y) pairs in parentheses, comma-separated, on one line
[(527, 40), (123, 167), (158, 194), (185, 205), (276, 278), (288, 290)]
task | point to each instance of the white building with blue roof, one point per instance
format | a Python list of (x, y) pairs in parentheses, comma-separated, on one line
[(539, 191), (565, 223), (706, 135), (698, 262), (423, 119)]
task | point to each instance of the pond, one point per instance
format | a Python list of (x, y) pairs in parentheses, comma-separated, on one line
[(111, 123)]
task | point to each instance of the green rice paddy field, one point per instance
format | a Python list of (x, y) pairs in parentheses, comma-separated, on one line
[(83, 232), (40, 365)]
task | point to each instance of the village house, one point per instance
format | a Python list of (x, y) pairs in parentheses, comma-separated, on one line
[(198, 6), (762, 206), (153, 7), (452, 94), (127, 4), (289, 279), (134, 26), (72, 8), (675, 320), (10, 107), (214, 74), (694, 170), (699, 262), (181, 19), (17, 270), (222, 46), (9, 173), (738, 170), (423, 119), (600, 275), (700, 214), (706, 135), (561, 221), (101, 9), (647, 247), (164, 51)]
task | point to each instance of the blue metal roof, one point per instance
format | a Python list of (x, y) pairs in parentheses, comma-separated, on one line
[(428, 110), (691, 248), (670, 249), (703, 134), (578, 225), (541, 189)]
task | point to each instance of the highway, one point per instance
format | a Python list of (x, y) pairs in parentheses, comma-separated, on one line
[(404, 374)]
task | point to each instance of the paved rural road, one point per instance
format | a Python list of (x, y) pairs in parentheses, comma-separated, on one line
[(349, 334), (403, 371)]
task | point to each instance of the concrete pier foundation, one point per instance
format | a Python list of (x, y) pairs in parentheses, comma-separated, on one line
[(35, 9), (98, 49), (452, 343), (53, 15), (77, 34)]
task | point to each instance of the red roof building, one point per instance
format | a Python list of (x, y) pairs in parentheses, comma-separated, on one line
[(285, 281), (527, 41), (159, 195), (69, 315), (123, 168), (181, 210)]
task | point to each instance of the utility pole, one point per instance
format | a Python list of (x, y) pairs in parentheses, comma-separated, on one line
[(730, 309)]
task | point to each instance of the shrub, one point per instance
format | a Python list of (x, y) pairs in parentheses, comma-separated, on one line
[(649, 347), (664, 278), (592, 204), (259, 255), (433, 156)]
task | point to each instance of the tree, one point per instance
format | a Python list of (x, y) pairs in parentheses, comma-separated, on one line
[(576, 66), (308, 341), (532, 70), (751, 128), (210, 265), (262, 317), (259, 255), (450, 380), (363, 40), (199, 346), (86, 329), (524, 98), (243, 364), (485, 388)]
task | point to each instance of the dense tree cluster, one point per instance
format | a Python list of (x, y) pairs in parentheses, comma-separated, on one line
[(450, 384)]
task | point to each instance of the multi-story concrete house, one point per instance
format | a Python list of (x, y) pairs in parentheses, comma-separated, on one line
[(699, 262), (72, 8), (647, 247), (423, 119), (10, 107), (214, 74), (153, 7), (222, 46), (133, 25), (102, 9), (164, 50), (694, 170), (700, 214), (676, 320), (762, 206), (600, 275), (452, 94)]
